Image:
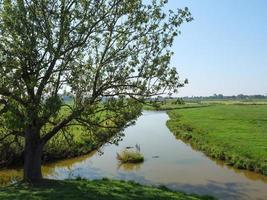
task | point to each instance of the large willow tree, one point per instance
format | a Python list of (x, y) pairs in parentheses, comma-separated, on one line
[(115, 50)]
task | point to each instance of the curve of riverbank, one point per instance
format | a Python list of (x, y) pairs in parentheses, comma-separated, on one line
[(231, 133)]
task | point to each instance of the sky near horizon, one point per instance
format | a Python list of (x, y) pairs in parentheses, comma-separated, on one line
[(224, 50)]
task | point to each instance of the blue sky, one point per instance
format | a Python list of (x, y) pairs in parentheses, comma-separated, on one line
[(224, 50)]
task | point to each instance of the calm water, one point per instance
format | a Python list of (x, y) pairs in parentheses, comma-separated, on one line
[(168, 161)]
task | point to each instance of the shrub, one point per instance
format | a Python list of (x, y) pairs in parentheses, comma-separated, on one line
[(130, 156)]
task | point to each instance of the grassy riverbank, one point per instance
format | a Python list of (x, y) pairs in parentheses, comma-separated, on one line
[(93, 190), (234, 133), (74, 140)]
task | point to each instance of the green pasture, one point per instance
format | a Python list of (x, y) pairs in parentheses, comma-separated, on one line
[(234, 133)]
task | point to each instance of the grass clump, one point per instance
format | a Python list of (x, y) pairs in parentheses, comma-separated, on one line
[(93, 190), (130, 156)]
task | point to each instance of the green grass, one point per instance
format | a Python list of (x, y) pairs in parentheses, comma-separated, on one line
[(234, 133), (130, 156), (93, 190), (171, 105)]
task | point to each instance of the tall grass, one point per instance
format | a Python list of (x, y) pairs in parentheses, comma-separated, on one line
[(131, 155)]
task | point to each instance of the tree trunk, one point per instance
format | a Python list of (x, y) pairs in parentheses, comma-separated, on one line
[(32, 156)]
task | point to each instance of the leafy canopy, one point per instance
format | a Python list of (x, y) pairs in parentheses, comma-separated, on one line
[(102, 53)]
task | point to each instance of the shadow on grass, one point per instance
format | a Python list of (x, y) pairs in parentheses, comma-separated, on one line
[(93, 190)]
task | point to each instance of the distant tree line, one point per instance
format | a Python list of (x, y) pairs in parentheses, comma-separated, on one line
[(222, 97), (213, 97)]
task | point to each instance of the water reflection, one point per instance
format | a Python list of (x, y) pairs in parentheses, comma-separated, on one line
[(129, 166), (229, 191), (10, 176)]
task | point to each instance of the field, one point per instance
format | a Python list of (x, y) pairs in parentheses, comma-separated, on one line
[(170, 105), (234, 132), (94, 190)]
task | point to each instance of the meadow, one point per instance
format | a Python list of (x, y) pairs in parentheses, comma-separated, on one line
[(235, 132), (171, 104)]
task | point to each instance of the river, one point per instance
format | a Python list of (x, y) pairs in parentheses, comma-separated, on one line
[(168, 161)]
